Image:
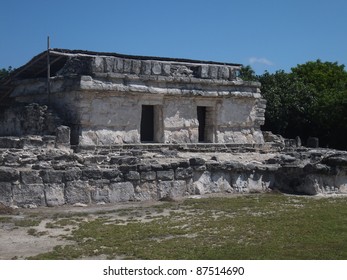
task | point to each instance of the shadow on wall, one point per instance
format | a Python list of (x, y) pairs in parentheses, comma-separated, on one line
[(28, 119)]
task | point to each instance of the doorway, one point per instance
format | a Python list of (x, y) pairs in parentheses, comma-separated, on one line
[(202, 122), (147, 123), (205, 119)]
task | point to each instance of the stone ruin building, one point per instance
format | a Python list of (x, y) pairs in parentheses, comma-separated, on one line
[(110, 99), (80, 127)]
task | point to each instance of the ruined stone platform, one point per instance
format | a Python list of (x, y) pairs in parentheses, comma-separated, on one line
[(42, 175)]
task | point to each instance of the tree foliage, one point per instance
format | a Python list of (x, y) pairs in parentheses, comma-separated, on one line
[(289, 104), (248, 74), (311, 100)]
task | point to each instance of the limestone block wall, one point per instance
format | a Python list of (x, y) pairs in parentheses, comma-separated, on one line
[(39, 176), (109, 119), (116, 119), (235, 121), (180, 121)]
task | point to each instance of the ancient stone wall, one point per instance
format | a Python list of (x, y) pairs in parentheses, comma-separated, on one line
[(28, 119), (45, 176)]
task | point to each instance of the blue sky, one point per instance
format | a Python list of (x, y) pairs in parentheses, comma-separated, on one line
[(266, 34)]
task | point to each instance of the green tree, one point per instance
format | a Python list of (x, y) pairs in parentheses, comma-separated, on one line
[(289, 104), (329, 79), (248, 74), (309, 101), (324, 76)]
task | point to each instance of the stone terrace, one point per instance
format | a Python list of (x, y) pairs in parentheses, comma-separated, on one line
[(45, 176)]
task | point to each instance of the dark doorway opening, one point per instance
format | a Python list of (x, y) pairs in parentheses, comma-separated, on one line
[(147, 123), (202, 123)]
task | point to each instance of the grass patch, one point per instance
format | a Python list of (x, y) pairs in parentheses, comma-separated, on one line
[(35, 232), (61, 223), (5, 219), (241, 227), (27, 223)]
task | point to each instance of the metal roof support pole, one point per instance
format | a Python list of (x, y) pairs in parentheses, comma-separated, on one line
[(48, 72)]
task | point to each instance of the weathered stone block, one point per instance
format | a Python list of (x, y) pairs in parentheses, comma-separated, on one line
[(132, 176), (146, 191), (112, 174), (200, 168), (203, 183), (197, 161), (124, 160), (148, 176), (233, 165), (144, 167), (30, 177), (91, 174), (126, 65), (166, 166), (52, 176), (72, 174), (146, 68), (118, 65), (10, 142), (335, 160), (95, 159), (98, 64), (183, 163), (213, 166), (109, 64), (171, 189), (11, 159), (183, 173), (121, 192), (221, 182), (213, 72), (239, 182), (77, 192), (8, 174), (126, 168), (166, 69), (165, 175), (174, 165), (203, 72), (223, 73), (54, 194), (156, 68), (164, 189), (341, 183), (136, 67), (156, 166), (62, 135), (100, 194), (27, 195), (6, 193)]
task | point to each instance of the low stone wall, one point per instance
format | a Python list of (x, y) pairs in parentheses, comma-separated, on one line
[(28, 119), (51, 177)]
